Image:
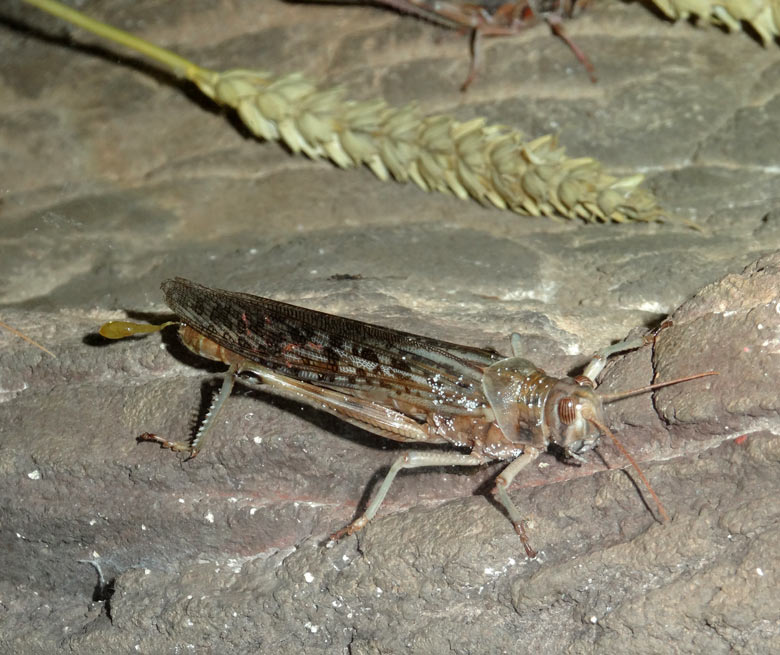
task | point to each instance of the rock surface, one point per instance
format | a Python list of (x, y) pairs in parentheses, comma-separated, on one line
[(117, 176)]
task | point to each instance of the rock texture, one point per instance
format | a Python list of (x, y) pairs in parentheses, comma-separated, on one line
[(116, 176)]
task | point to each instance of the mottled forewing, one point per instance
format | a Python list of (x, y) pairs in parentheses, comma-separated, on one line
[(335, 352)]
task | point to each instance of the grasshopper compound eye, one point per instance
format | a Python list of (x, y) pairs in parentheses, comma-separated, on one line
[(567, 410)]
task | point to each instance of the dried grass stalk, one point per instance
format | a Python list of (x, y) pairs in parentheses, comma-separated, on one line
[(493, 164), (22, 335)]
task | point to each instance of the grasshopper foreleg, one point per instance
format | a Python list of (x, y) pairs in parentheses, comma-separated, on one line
[(599, 361)]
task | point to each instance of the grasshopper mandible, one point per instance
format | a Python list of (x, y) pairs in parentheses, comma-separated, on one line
[(398, 385), (495, 18)]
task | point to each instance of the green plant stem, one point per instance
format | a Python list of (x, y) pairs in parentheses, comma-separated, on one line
[(179, 65)]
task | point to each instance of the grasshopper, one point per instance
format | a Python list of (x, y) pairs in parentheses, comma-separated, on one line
[(495, 18), (398, 385)]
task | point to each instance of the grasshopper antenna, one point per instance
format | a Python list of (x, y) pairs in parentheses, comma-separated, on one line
[(610, 397), (607, 398), (616, 441)]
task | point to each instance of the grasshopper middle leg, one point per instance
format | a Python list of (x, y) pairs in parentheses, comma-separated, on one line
[(408, 460), (503, 482)]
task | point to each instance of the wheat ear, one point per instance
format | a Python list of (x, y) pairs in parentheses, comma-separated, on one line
[(762, 15), (491, 163)]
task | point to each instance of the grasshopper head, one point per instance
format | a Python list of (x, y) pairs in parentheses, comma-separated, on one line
[(533, 407), (572, 413)]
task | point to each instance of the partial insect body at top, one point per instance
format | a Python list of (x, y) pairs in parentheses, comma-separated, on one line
[(496, 18), (396, 384)]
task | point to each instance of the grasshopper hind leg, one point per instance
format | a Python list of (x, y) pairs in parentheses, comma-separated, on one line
[(193, 447)]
